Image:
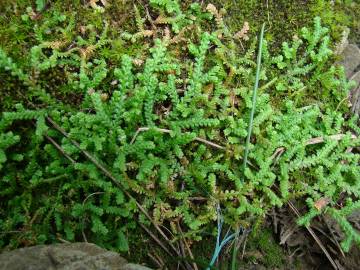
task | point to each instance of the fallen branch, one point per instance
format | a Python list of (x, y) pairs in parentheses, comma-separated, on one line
[(337, 137), (113, 179), (83, 204), (187, 247), (156, 239), (156, 261), (317, 240), (163, 130), (59, 148)]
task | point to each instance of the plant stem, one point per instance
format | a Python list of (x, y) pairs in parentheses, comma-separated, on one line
[(253, 107)]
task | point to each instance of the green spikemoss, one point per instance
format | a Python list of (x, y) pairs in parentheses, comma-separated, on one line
[(285, 18), (187, 84)]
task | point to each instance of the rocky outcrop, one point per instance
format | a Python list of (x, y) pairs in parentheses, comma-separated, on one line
[(351, 62), (350, 59), (73, 256), (355, 94)]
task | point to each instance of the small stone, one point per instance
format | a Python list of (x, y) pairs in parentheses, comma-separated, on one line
[(351, 59)]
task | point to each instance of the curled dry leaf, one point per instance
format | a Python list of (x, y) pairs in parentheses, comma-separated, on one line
[(82, 29), (138, 62), (104, 96), (86, 52), (242, 34), (167, 34), (162, 20), (321, 203), (94, 3), (218, 16), (212, 9), (147, 33), (54, 44)]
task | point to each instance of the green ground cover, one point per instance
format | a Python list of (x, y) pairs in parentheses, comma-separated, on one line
[(123, 114)]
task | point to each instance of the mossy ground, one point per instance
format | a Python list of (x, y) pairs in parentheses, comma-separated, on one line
[(284, 18)]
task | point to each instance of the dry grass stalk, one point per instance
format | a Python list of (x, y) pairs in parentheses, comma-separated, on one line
[(116, 182)]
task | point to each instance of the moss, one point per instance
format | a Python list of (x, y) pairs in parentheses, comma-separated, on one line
[(272, 254), (285, 18)]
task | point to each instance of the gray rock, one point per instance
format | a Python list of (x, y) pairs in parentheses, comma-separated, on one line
[(131, 266), (351, 59), (74, 256), (355, 94)]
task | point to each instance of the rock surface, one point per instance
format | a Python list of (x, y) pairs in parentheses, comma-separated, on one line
[(73, 256), (355, 94), (350, 59), (351, 62)]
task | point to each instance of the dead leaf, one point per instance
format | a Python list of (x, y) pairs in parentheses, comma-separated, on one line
[(218, 17), (104, 96), (212, 9), (167, 34), (138, 62), (321, 203), (162, 20), (242, 34), (147, 33), (94, 3)]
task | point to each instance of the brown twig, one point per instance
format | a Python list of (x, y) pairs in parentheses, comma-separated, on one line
[(157, 240), (197, 199), (83, 220), (6, 232), (244, 247), (63, 240), (155, 260), (337, 137), (113, 179), (163, 130), (334, 238), (187, 246), (183, 253), (59, 148), (317, 240), (160, 260)]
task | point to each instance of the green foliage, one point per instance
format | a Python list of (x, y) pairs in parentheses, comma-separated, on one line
[(170, 123), (306, 58), (40, 4), (272, 253)]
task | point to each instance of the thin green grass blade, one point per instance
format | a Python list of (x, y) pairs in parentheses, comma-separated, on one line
[(253, 107)]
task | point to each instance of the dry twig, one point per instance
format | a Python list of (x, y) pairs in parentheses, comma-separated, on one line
[(163, 130), (157, 240), (317, 240), (155, 260), (83, 204), (337, 137), (115, 181), (195, 267)]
